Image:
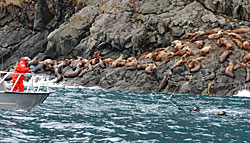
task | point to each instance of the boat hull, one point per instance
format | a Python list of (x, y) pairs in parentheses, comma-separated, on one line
[(21, 100)]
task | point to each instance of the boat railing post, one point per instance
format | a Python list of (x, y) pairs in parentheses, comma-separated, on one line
[(16, 82), (38, 88), (30, 84), (5, 77)]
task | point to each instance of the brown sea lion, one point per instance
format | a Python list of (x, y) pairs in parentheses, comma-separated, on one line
[(160, 49), (119, 61), (194, 36), (143, 55), (205, 50), (39, 67), (75, 73), (151, 55), (149, 69), (238, 43), (217, 35), (224, 55), (164, 81), (211, 76), (248, 72), (141, 66), (131, 62), (214, 31), (102, 63), (34, 61), (246, 58), (236, 36), (224, 41), (199, 43), (186, 36), (182, 60), (240, 30), (108, 60), (230, 69), (57, 70), (197, 66), (246, 45)]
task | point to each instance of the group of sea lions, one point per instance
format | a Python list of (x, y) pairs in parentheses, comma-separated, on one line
[(191, 49)]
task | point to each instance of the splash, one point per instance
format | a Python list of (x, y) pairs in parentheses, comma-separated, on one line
[(243, 93)]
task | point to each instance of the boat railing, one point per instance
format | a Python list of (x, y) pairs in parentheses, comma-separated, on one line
[(30, 86)]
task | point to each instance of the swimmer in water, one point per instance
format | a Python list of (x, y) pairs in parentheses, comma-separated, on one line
[(222, 113), (196, 109)]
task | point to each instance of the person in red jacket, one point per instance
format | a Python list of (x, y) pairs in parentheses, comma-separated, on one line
[(21, 67)]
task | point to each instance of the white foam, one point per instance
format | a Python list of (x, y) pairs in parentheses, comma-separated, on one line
[(243, 93)]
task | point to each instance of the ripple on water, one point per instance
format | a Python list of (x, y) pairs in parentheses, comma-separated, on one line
[(94, 115)]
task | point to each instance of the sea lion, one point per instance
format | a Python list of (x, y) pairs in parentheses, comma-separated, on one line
[(119, 62), (82, 72), (151, 55), (160, 49), (141, 66), (75, 73), (246, 45), (238, 43), (102, 63), (224, 41), (57, 70), (214, 31), (205, 50), (186, 36), (248, 72), (229, 71), (217, 35), (131, 62), (236, 36), (164, 81), (162, 56), (211, 76), (224, 55), (199, 43), (197, 66), (97, 55), (108, 60), (142, 56), (182, 60), (240, 30), (194, 36), (39, 67), (34, 61), (246, 58), (149, 69)]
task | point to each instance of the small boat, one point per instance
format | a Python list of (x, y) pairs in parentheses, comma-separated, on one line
[(31, 97)]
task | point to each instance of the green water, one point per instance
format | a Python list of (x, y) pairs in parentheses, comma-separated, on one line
[(94, 115)]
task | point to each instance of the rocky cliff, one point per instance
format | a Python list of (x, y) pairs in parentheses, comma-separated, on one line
[(61, 29)]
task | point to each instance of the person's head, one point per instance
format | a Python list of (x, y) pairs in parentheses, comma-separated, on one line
[(196, 109), (222, 113), (25, 59)]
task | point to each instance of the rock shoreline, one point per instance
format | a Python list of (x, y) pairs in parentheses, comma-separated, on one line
[(70, 29)]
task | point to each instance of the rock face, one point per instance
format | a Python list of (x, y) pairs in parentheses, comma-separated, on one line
[(67, 29)]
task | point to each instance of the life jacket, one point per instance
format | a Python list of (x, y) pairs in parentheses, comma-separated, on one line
[(21, 67)]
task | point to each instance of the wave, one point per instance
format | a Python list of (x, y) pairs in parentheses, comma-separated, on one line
[(243, 93)]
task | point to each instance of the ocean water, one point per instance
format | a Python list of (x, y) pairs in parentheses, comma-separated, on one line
[(96, 115)]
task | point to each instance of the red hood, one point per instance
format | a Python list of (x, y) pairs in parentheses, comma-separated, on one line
[(23, 60)]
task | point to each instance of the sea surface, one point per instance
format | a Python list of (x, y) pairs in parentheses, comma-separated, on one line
[(95, 115)]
